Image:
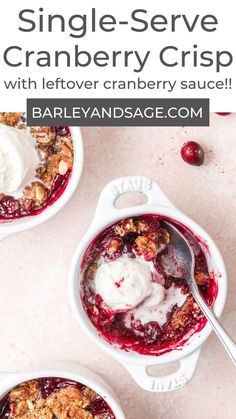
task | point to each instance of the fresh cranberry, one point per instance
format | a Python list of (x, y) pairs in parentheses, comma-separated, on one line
[(192, 153), (223, 113)]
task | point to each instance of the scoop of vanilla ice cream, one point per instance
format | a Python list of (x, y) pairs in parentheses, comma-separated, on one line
[(18, 159), (124, 283)]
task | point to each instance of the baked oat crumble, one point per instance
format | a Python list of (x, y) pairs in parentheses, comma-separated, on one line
[(53, 399)]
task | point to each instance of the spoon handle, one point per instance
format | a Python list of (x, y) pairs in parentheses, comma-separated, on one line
[(226, 340)]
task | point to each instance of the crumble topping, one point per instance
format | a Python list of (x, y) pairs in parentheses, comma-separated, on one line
[(182, 316), (146, 246), (202, 278), (149, 241), (64, 400), (10, 118)]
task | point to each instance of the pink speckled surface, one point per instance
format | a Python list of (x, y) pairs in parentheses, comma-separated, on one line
[(36, 322)]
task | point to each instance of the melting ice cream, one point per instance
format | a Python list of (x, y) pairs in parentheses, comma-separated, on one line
[(18, 159)]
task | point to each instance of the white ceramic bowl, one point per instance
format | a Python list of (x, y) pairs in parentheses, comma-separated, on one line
[(71, 372), (107, 214), (15, 226)]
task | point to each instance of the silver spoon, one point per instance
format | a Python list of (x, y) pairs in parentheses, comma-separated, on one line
[(180, 261)]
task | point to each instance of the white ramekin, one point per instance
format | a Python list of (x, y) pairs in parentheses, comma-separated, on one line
[(71, 372), (15, 226), (106, 214)]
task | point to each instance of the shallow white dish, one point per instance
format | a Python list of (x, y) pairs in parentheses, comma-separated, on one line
[(69, 371), (25, 223), (107, 214)]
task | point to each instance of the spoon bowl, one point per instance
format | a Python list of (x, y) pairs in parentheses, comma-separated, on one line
[(179, 261)]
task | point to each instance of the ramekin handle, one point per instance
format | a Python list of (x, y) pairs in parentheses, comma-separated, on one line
[(120, 186), (166, 383)]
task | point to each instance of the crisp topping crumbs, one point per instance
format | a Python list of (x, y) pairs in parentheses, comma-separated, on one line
[(146, 245), (54, 398), (202, 278), (113, 246), (10, 118)]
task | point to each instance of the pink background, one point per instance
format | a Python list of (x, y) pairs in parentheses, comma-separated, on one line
[(36, 322)]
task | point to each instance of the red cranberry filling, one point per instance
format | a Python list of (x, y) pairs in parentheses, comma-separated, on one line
[(144, 237)]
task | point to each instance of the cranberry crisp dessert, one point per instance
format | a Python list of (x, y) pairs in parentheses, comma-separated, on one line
[(54, 398), (130, 293), (35, 166)]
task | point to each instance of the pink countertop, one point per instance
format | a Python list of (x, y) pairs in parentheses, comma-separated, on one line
[(36, 322)]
